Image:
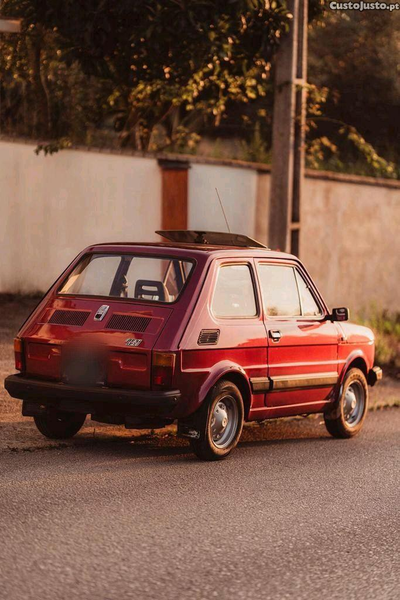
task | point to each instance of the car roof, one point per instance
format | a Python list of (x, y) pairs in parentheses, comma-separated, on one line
[(189, 250), (198, 243)]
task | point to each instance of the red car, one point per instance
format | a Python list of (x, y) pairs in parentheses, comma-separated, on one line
[(209, 329)]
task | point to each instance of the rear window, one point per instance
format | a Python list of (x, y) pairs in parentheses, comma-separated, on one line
[(154, 279)]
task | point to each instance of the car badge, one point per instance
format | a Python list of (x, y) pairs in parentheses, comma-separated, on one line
[(101, 313), (133, 342)]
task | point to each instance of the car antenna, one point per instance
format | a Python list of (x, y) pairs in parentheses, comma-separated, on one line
[(223, 211)]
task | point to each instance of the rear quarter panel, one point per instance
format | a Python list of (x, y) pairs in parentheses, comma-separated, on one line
[(241, 347)]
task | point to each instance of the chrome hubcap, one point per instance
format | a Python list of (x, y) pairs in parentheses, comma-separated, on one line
[(224, 421), (354, 403)]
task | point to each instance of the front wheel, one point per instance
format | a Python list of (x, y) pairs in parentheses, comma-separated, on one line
[(346, 417), (219, 422), (59, 425)]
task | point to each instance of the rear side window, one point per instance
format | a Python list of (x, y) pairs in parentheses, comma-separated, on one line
[(234, 292), (150, 278), (279, 291)]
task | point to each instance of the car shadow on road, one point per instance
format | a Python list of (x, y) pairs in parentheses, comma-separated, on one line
[(176, 448), (143, 447), (23, 437)]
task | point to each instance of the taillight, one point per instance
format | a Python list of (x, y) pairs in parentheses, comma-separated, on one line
[(163, 369), (19, 354)]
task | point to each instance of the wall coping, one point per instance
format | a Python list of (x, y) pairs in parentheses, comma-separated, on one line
[(223, 162)]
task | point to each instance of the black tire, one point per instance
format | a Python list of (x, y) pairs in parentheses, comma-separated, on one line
[(59, 425), (218, 439), (347, 415)]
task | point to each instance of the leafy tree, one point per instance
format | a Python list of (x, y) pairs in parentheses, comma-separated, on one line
[(354, 62), (155, 74), (40, 96), (155, 62)]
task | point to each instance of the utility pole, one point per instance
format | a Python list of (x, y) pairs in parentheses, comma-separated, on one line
[(288, 133)]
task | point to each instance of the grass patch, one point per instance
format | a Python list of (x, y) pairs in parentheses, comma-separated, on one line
[(386, 327)]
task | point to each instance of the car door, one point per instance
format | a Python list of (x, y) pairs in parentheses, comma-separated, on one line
[(302, 342)]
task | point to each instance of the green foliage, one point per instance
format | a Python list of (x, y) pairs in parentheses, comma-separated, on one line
[(345, 150), (40, 96), (386, 327), (356, 56), (53, 147), (376, 164), (160, 74), (256, 149), (150, 63), (323, 154)]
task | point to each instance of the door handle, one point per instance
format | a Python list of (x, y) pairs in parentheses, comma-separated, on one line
[(275, 335)]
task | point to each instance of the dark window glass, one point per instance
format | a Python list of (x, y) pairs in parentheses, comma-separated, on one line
[(234, 292)]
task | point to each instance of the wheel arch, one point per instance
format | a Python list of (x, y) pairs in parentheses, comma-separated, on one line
[(233, 373), (242, 384), (356, 360)]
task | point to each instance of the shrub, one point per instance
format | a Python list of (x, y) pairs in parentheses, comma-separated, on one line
[(386, 327)]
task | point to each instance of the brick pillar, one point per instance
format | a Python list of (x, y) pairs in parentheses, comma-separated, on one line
[(174, 194)]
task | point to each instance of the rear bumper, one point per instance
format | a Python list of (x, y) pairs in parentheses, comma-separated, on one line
[(92, 400), (374, 375)]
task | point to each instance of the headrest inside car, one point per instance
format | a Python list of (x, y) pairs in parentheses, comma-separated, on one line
[(146, 289)]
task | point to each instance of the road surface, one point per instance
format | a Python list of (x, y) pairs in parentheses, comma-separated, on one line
[(305, 516)]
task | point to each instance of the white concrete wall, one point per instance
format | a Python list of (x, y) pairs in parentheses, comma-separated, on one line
[(238, 190), (349, 239), (52, 207)]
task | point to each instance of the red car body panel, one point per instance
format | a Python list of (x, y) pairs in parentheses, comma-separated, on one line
[(312, 355)]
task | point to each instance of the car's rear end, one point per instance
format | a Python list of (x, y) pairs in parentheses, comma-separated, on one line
[(105, 339)]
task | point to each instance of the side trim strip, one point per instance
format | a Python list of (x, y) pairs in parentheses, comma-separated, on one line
[(260, 385), (285, 383), (299, 382)]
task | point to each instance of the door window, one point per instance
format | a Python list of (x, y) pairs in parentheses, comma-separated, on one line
[(308, 303), (279, 290), (234, 292)]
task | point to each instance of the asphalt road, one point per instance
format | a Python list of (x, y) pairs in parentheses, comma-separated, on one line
[(305, 516)]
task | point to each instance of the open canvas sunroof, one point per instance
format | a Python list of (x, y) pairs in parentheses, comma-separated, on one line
[(213, 238)]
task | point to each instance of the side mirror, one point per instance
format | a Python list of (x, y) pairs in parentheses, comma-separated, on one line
[(340, 314)]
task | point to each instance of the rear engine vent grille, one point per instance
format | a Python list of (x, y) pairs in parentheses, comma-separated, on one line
[(208, 337), (128, 323), (69, 317)]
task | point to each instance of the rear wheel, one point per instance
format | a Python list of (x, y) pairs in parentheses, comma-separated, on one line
[(219, 422), (59, 425), (347, 415)]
